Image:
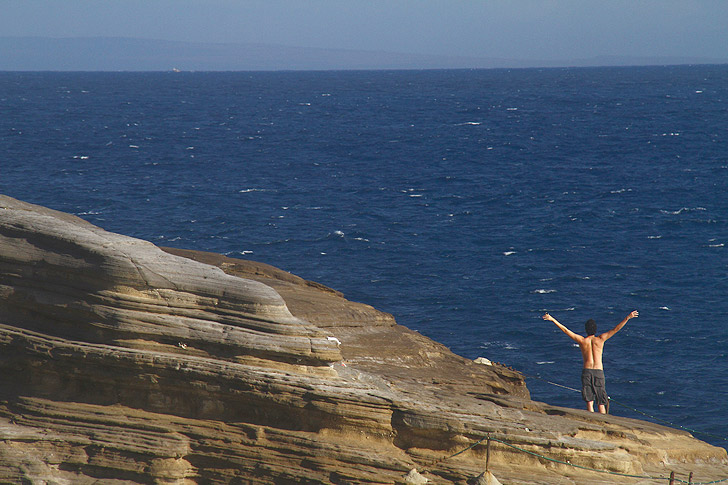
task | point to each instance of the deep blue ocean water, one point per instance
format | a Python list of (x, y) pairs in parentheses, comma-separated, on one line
[(466, 202)]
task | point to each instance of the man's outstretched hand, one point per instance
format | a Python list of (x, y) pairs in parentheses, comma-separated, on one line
[(634, 314)]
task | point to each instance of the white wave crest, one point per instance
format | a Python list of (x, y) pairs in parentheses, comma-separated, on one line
[(683, 209)]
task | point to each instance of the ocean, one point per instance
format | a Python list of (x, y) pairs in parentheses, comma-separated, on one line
[(465, 202)]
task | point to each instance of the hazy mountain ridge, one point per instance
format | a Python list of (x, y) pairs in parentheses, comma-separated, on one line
[(130, 54)]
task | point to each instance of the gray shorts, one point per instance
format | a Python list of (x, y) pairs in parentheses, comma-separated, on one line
[(593, 386)]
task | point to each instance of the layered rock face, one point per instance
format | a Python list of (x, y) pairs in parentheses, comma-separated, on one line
[(121, 362)]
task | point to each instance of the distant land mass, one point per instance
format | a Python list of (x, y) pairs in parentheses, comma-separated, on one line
[(129, 54)]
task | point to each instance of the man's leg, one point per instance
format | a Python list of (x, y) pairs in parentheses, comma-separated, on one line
[(600, 391), (587, 389)]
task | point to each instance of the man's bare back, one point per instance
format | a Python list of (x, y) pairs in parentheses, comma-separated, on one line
[(591, 351), (592, 347)]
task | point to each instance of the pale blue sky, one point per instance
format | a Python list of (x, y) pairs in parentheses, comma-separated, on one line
[(517, 29)]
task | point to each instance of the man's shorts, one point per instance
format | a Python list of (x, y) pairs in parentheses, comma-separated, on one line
[(593, 387)]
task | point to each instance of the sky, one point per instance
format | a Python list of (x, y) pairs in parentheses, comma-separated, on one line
[(513, 29)]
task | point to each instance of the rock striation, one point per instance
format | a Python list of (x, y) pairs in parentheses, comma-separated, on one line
[(124, 363)]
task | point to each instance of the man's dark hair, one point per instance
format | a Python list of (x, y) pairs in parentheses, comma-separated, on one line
[(591, 327)]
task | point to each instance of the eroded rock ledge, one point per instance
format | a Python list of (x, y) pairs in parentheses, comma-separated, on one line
[(125, 363)]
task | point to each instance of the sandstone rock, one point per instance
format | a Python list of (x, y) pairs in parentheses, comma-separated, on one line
[(485, 478), (125, 363), (414, 478)]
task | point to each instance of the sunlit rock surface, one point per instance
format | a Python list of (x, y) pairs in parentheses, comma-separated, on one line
[(121, 362)]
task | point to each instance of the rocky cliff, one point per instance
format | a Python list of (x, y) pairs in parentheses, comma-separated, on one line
[(122, 362)]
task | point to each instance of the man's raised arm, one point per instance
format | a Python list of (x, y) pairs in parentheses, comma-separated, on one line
[(575, 337), (610, 334)]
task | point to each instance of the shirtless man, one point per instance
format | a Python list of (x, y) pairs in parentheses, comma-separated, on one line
[(592, 347)]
